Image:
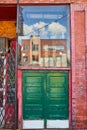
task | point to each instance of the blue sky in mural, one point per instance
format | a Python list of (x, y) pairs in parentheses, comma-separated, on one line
[(50, 22)]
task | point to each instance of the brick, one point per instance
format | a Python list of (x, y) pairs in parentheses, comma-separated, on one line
[(79, 108), (43, 1)]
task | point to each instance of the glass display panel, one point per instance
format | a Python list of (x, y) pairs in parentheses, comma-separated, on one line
[(44, 36)]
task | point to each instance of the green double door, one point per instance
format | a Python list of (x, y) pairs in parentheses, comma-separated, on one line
[(45, 95)]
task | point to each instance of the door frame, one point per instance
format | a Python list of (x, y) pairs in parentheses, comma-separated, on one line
[(19, 94)]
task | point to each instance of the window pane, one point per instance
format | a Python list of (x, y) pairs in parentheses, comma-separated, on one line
[(2, 44), (44, 36)]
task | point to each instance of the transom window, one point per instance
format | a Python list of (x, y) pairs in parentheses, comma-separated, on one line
[(44, 36)]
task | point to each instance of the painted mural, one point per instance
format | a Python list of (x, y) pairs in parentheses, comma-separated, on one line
[(8, 29), (44, 36)]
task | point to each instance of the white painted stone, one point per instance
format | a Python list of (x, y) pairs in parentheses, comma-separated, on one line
[(57, 123), (33, 124), (39, 124)]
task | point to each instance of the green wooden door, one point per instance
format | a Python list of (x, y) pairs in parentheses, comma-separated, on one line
[(33, 85), (57, 95), (45, 95)]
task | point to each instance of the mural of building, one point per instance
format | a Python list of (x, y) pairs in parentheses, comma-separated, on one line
[(51, 74), (42, 52)]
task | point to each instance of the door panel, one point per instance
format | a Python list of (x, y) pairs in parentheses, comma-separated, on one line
[(57, 86), (33, 95)]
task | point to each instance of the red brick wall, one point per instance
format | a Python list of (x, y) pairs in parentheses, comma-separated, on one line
[(80, 1), (8, 1), (43, 1), (78, 41)]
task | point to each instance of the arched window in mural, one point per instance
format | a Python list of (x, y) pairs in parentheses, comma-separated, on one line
[(45, 32)]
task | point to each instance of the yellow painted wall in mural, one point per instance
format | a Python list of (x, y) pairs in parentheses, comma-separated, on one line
[(7, 29)]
